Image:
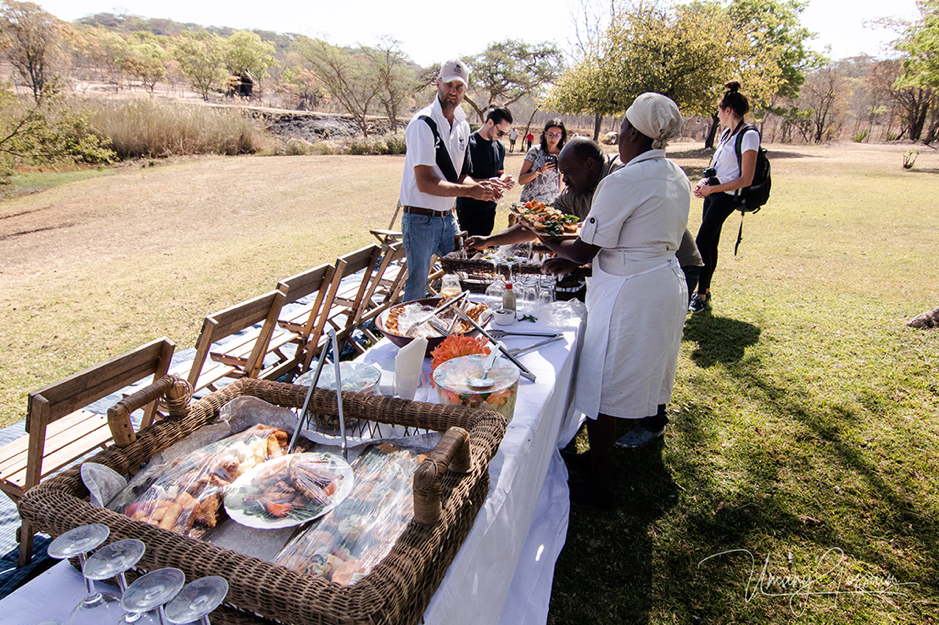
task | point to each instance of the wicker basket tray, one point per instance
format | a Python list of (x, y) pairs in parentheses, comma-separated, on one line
[(397, 590), (454, 263)]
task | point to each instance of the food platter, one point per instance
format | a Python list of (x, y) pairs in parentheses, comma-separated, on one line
[(546, 221), (289, 490), (386, 323)]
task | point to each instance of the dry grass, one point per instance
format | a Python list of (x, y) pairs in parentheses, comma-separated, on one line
[(805, 412), (135, 128)]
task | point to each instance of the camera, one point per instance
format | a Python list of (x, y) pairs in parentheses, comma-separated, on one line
[(710, 174), (553, 159)]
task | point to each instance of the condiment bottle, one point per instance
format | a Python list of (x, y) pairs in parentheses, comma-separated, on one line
[(508, 297)]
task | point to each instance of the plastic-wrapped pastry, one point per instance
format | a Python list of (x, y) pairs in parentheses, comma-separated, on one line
[(185, 497), (344, 545)]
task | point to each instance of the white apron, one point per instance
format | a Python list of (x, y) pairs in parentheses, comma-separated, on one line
[(634, 380)]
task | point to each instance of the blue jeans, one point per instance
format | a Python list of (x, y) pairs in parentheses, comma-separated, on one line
[(424, 236)]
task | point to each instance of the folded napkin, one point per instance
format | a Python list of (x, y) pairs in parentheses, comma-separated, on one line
[(408, 365)]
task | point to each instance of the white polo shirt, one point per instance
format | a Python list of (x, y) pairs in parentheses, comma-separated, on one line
[(421, 151)]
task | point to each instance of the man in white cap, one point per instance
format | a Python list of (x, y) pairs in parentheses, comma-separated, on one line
[(637, 295), (436, 171)]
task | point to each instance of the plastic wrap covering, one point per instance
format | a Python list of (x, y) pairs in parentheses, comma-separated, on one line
[(289, 490), (344, 545), (185, 495)]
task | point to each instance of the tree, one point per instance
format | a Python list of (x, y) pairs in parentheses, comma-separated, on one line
[(32, 36), (248, 54), (201, 58), (346, 74), (583, 88), (770, 55), (301, 87), (509, 70), (44, 133), (394, 77), (824, 95), (920, 45), (146, 59), (681, 52), (105, 48)]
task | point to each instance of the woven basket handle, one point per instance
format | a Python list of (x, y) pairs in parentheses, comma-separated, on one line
[(177, 392), (451, 453)]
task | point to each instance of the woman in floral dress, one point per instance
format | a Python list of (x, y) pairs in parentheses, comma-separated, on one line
[(540, 170)]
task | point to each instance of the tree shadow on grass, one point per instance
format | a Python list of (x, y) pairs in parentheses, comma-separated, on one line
[(719, 339), (845, 499), (605, 573)]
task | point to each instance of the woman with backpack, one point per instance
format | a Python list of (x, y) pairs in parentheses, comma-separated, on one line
[(725, 177)]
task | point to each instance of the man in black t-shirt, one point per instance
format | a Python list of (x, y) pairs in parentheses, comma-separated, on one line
[(487, 154)]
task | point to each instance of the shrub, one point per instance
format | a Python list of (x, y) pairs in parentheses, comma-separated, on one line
[(388, 144), (860, 136), (45, 132), (148, 128)]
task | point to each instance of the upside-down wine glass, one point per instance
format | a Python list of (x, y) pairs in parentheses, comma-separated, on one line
[(113, 561), (197, 600), (152, 591), (96, 607)]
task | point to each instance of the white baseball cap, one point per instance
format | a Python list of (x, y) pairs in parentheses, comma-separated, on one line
[(454, 69)]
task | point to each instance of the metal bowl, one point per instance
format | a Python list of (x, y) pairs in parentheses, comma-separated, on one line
[(432, 342)]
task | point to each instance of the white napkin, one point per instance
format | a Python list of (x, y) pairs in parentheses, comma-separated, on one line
[(408, 365)]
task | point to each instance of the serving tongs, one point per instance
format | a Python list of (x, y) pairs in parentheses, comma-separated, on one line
[(442, 307), (304, 414), (518, 351), (528, 375), (501, 334)]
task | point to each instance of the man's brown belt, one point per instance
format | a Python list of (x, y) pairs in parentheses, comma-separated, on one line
[(413, 210)]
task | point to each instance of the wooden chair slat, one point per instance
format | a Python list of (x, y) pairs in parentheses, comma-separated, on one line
[(59, 430)]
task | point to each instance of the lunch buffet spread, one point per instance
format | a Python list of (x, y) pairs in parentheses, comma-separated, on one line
[(357, 528)]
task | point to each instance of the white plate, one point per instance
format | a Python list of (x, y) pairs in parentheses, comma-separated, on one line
[(244, 487)]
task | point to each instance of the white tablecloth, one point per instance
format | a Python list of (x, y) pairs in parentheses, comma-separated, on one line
[(504, 570)]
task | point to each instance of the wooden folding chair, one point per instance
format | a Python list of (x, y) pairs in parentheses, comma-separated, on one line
[(60, 429), (242, 356), (384, 289), (302, 326), (349, 297), (388, 235)]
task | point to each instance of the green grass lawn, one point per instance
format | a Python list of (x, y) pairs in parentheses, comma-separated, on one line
[(805, 418), (804, 425)]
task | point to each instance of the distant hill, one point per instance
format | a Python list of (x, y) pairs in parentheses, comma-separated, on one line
[(127, 24)]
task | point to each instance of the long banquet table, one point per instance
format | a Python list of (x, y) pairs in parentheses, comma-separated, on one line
[(504, 571)]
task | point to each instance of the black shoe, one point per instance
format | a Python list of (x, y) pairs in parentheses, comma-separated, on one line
[(583, 494), (699, 303), (639, 437), (575, 460)]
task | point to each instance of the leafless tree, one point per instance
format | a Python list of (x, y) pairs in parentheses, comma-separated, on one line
[(32, 41)]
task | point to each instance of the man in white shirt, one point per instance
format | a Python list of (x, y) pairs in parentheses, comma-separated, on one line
[(436, 170), (513, 137)]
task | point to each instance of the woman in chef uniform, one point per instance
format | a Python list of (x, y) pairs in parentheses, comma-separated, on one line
[(637, 297)]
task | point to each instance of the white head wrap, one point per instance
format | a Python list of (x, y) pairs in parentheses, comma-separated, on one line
[(656, 116)]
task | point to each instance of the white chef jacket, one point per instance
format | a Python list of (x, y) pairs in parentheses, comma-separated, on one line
[(637, 298)]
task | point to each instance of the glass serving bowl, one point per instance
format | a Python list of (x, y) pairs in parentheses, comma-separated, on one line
[(452, 381)]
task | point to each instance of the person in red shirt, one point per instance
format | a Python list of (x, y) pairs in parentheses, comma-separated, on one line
[(529, 138)]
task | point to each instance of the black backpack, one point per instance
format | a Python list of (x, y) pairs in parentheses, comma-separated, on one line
[(752, 198)]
